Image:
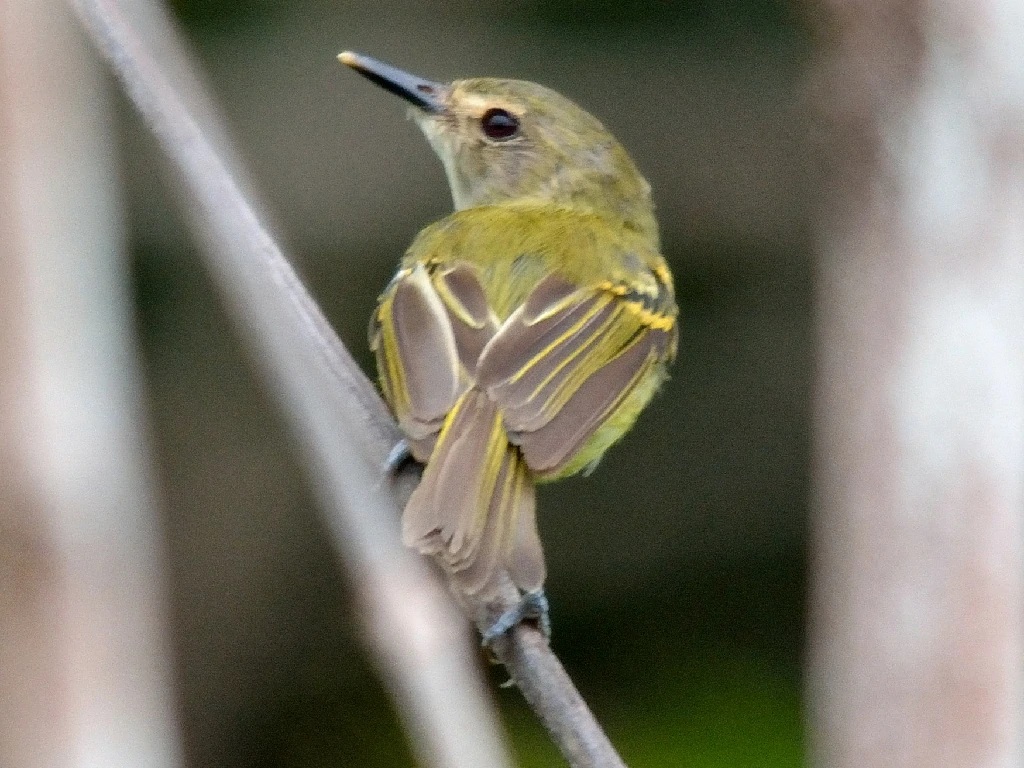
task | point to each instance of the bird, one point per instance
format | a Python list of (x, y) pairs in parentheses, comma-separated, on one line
[(522, 334)]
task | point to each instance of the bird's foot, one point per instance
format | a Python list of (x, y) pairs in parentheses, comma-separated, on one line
[(533, 605), (397, 457)]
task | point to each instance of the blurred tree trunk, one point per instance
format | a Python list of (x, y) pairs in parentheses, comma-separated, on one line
[(84, 655), (917, 638)]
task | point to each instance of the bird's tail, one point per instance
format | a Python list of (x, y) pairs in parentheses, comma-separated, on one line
[(474, 510)]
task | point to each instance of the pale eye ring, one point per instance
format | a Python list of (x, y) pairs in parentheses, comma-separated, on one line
[(499, 124)]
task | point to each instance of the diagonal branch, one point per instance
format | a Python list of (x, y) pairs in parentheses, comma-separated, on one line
[(345, 431)]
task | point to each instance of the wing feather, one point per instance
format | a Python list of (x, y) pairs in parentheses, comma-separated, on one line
[(471, 318), (562, 366), (551, 446), (417, 358)]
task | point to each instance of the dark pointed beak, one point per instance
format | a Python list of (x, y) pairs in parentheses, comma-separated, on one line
[(427, 95)]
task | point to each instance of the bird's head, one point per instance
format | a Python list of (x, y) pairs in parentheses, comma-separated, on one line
[(512, 141)]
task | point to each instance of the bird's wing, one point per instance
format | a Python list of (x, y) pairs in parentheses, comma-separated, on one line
[(422, 355), (563, 363)]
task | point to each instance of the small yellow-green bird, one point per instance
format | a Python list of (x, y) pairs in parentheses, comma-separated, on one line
[(523, 334)]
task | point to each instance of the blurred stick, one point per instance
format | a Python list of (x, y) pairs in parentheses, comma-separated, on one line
[(917, 643), (347, 432), (85, 670)]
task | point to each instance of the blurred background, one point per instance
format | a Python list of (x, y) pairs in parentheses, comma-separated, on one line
[(677, 571)]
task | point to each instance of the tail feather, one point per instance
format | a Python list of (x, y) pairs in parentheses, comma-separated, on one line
[(525, 561), (475, 507)]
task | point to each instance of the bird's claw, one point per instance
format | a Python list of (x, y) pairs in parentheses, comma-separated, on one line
[(533, 605), (397, 457)]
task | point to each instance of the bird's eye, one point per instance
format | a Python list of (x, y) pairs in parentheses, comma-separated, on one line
[(499, 125)]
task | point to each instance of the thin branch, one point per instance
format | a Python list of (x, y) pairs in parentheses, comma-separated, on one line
[(550, 692), (346, 431)]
